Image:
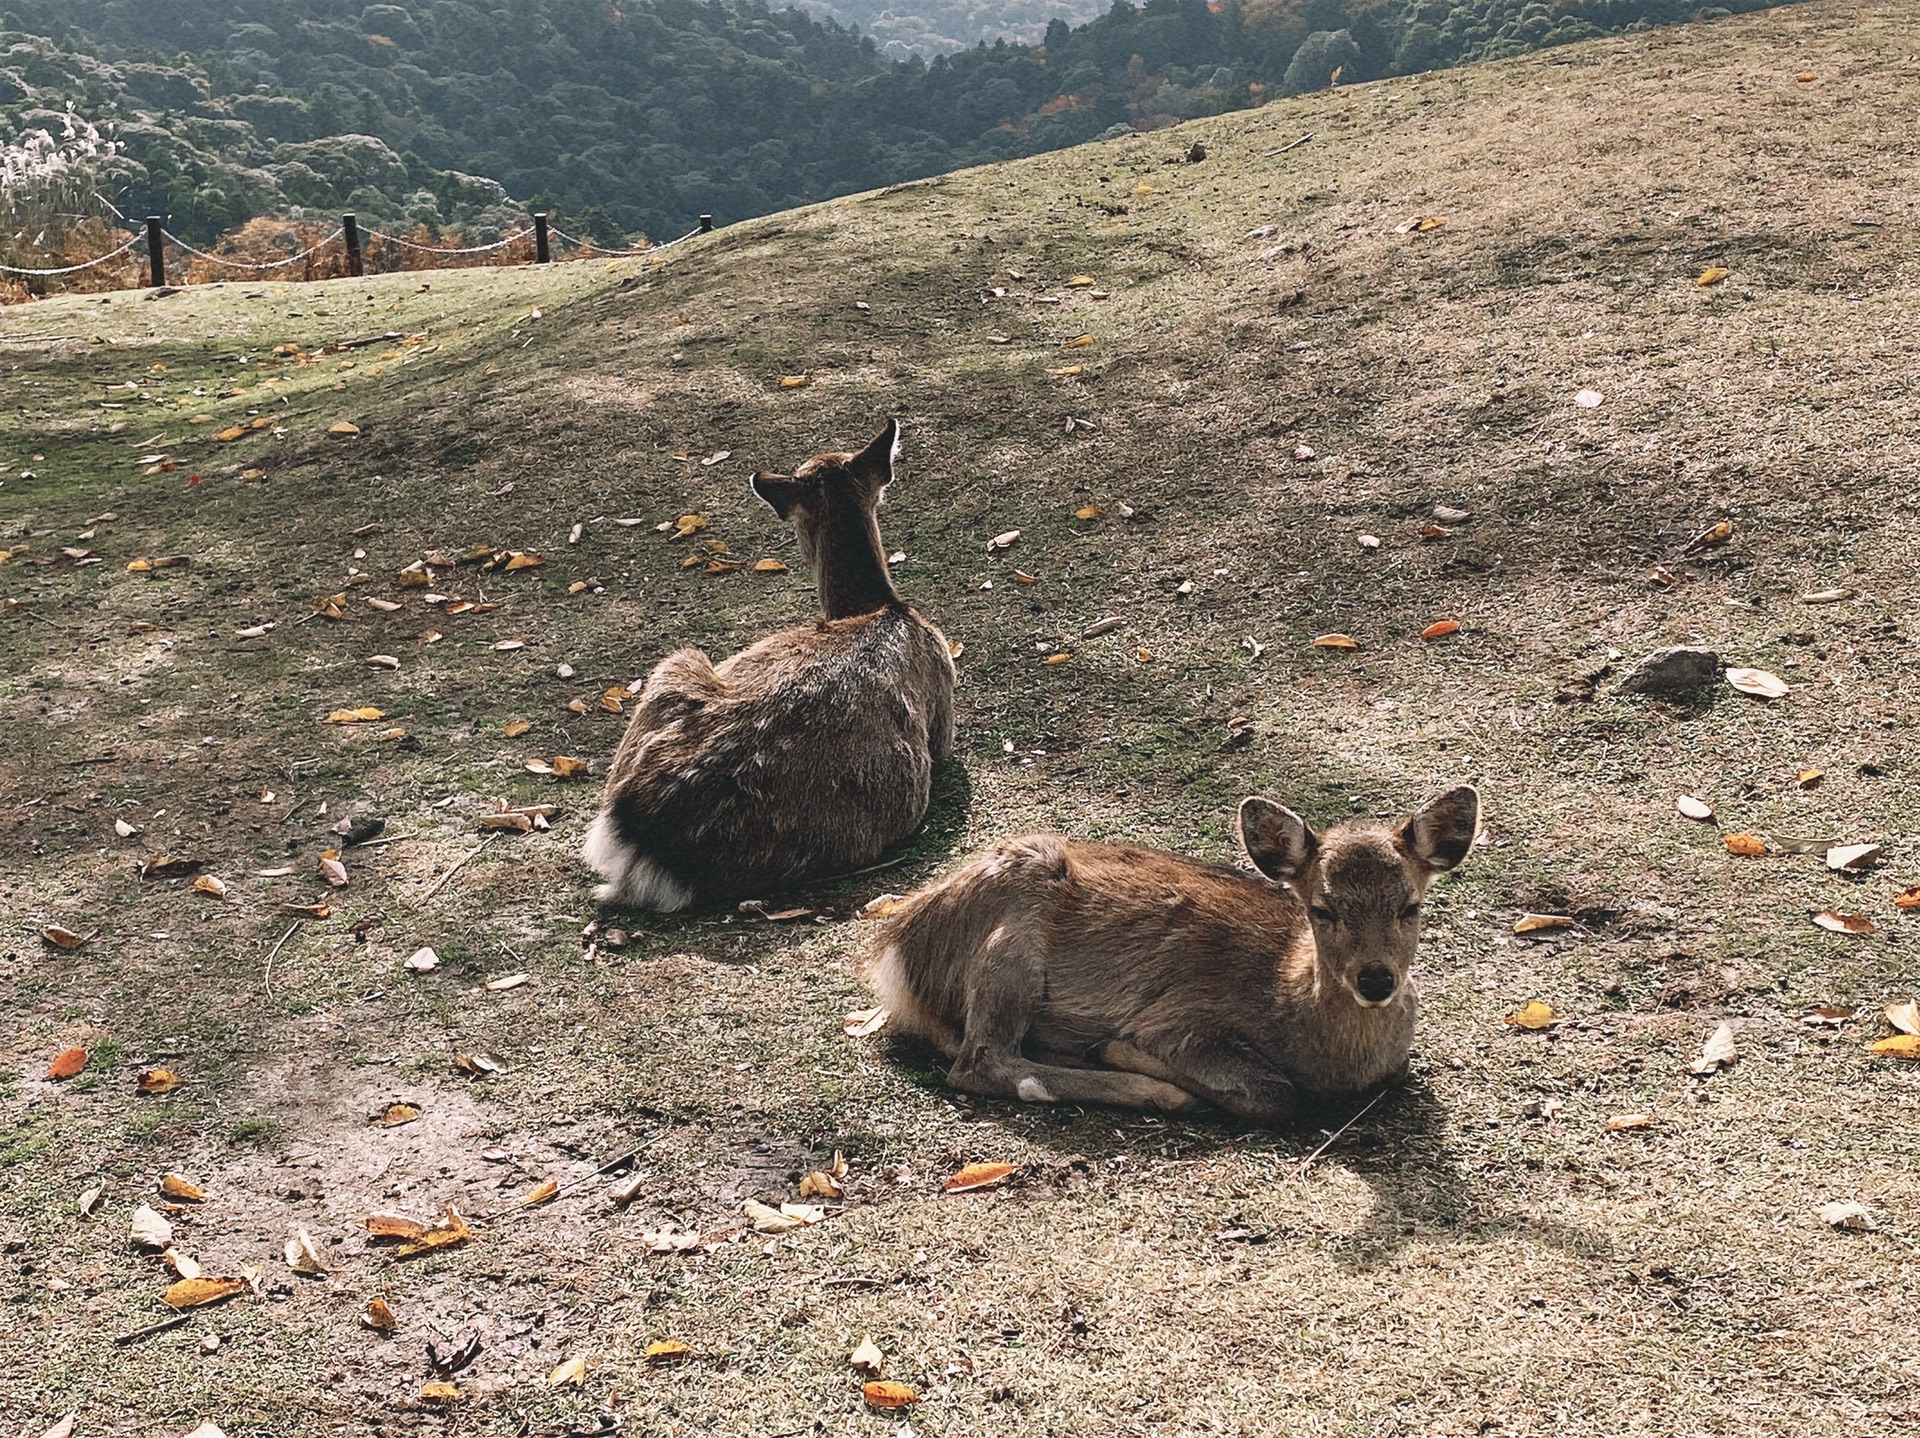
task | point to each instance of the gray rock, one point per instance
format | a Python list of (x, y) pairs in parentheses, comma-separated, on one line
[(1669, 671)]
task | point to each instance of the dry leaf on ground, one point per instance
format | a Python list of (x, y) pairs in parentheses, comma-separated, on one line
[(1718, 1053), (379, 1317), (1853, 858), (867, 1356), (1846, 1215), (394, 1225), (979, 1175), (302, 1256), (1622, 1123), (62, 938), (819, 1184), (1440, 629), (1904, 1017), (889, 1395), (396, 1114), (541, 1192), (449, 1233), (667, 1350), (198, 1292), (766, 1219), (861, 1022), (67, 1063), (1536, 923), (1532, 1015), (1760, 683), (1746, 845), (1900, 1046), (149, 1229), (1693, 808), (174, 1185), (1839, 923), (572, 1371)]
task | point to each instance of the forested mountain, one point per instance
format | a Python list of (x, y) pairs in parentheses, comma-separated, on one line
[(904, 28), (636, 115)]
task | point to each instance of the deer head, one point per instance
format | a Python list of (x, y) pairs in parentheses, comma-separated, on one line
[(1362, 885), (830, 501)]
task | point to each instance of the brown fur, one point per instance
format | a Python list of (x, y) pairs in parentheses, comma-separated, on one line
[(1050, 970), (808, 753)]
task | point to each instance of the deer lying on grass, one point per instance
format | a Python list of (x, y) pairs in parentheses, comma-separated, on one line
[(1060, 972), (808, 753)]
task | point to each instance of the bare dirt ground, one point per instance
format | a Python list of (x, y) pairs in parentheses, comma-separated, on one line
[(1274, 370)]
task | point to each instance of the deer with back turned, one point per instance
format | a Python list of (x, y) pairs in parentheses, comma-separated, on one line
[(807, 754), (1055, 971)]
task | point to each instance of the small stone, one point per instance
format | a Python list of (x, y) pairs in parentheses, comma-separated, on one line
[(1671, 670)]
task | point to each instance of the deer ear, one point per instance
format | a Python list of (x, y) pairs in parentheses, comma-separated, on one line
[(874, 464), (1441, 834), (1276, 839), (782, 493)]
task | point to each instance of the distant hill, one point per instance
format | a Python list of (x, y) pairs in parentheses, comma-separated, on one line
[(637, 115), (904, 28)]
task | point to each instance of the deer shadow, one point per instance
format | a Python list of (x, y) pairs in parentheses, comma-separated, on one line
[(1401, 1145)]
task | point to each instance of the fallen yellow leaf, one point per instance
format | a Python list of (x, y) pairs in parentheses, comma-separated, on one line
[(1532, 1015), (196, 1292)]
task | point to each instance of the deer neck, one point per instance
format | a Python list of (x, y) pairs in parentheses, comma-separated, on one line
[(849, 565)]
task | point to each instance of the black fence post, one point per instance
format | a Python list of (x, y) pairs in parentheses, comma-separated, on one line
[(350, 230), (540, 255), (706, 224), (156, 252)]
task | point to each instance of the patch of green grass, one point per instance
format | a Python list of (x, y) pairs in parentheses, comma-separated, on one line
[(257, 1131)]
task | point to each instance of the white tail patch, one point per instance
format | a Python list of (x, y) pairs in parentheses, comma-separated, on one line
[(633, 880)]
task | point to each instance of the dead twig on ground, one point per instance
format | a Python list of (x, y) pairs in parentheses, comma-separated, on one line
[(1334, 1137), (121, 1340), (276, 954)]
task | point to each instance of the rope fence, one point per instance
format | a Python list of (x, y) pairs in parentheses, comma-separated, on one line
[(350, 235)]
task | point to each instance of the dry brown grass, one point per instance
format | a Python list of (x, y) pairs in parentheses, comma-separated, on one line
[(1451, 1265)]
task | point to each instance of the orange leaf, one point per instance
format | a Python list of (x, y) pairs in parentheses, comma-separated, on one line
[(1908, 899), (379, 1317), (884, 1394), (1335, 641), (394, 1225), (1711, 275), (1534, 923), (62, 938), (979, 1175), (667, 1350), (396, 1114), (1746, 844), (1440, 629), (543, 1191), (194, 1292), (174, 1186), (157, 1081), (448, 1233), (568, 768), (769, 566), (67, 1064)]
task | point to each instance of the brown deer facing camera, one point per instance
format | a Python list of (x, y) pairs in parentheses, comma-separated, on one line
[(1053, 971), (805, 755)]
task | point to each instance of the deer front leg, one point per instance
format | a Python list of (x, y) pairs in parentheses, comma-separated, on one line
[(1226, 1073), (1008, 987)]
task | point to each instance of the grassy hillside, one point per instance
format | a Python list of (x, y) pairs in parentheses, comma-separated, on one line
[(1275, 370)]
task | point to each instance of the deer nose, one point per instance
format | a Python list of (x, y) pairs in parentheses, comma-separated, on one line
[(1375, 985)]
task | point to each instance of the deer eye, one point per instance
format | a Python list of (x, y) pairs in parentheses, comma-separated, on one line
[(1412, 912), (1322, 914)]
